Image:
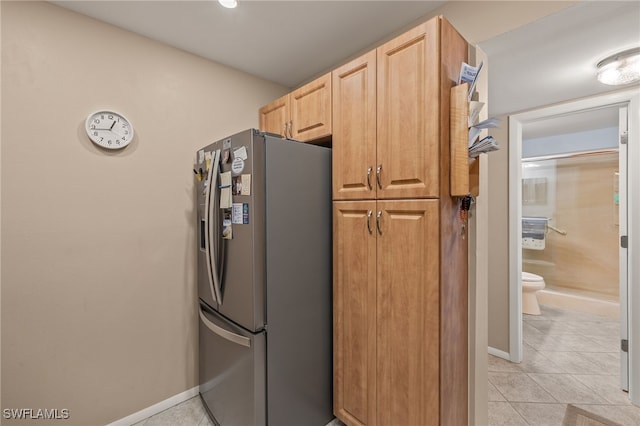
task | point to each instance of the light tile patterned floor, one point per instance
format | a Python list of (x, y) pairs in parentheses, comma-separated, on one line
[(191, 413), (569, 357)]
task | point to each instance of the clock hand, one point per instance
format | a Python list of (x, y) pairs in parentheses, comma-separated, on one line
[(112, 124)]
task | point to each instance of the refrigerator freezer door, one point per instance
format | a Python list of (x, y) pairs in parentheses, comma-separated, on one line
[(232, 371)]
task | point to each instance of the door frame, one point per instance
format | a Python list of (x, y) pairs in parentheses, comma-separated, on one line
[(631, 97)]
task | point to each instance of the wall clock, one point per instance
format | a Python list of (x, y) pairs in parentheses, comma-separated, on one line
[(109, 129)]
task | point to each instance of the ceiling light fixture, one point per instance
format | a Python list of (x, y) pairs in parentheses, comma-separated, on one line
[(621, 68), (229, 4)]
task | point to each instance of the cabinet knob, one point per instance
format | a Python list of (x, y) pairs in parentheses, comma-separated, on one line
[(369, 214), (378, 222), (378, 178), (369, 170)]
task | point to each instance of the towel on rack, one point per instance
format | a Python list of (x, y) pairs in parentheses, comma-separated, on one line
[(534, 227)]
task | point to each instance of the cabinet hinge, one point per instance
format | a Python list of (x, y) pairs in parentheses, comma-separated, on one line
[(624, 138), (624, 242), (624, 345)]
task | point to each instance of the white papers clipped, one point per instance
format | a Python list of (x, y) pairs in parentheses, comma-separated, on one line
[(474, 111), (469, 74), (486, 144), (474, 131), (225, 190)]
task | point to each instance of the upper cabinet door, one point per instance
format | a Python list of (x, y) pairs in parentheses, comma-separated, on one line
[(274, 117), (354, 129), (311, 110), (408, 114)]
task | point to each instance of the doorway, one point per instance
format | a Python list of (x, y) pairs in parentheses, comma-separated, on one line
[(626, 104)]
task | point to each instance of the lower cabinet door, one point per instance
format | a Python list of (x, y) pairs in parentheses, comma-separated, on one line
[(386, 312), (354, 304), (407, 313)]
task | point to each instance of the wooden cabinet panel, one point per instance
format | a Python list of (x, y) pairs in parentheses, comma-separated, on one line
[(354, 129), (408, 313), (459, 137), (274, 116), (302, 115), (400, 263), (311, 110), (408, 114), (354, 307)]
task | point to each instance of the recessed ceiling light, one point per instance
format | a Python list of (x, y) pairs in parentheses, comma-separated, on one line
[(229, 4), (621, 68)]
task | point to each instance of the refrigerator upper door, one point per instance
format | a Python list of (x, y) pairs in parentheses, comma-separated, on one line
[(213, 246), (243, 278), (209, 225)]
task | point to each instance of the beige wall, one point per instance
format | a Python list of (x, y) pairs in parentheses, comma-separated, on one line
[(498, 258), (579, 196), (94, 244), (98, 248), (478, 269)]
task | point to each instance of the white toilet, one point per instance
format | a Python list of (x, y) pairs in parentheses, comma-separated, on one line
[(531, 284)]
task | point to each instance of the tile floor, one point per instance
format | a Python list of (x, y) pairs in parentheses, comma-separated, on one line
[(568, 357), (190, 413)]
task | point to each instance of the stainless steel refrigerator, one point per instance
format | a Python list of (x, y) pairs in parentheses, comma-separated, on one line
[(264, 281)]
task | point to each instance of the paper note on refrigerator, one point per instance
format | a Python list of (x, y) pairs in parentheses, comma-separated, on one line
[(225, 190), (236, 214), (240, 153), (207, 159), (246, 185)]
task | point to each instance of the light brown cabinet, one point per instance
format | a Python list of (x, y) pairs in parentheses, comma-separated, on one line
[(400, 253), (386, 312), (303, 115), (408, 131), (354, 311), (382, 101), (274, 117), (354, 129)]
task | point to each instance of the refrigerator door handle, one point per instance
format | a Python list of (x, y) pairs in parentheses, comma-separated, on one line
[(225, 334), (212, 182), (217, 256)]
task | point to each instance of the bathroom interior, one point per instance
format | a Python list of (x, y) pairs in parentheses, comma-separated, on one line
[(570, 213)]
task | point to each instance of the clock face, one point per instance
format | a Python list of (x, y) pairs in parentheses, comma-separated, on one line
[(109, 129)]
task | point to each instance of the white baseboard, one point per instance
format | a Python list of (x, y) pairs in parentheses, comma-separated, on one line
[(156, 408), (499, 353)]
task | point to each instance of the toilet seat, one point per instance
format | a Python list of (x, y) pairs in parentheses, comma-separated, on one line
[(528, 276)]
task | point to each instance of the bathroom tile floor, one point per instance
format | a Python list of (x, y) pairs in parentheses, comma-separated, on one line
[(568, 357)]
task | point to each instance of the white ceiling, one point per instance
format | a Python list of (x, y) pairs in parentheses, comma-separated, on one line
[(554, 59), (289, 42)]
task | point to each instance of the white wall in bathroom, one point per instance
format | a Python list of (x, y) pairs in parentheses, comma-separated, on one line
[(534, 173), (605, 138)]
